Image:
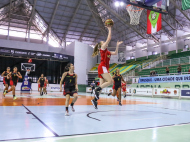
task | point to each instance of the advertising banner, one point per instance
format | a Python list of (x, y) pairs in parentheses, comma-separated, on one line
[(142, 91), (166, 92), (35, 54), (135, 80), (185, 93), (165, 79), (88, 89), (109, 90), (129, 91), (55, 88)]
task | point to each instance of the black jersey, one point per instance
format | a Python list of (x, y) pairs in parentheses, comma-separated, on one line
[(117, 80), (5, 74), (42, 80), (69, 80), (14, 77)]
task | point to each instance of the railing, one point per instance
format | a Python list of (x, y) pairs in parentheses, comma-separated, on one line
[(127, 75), (168, 62), (154, 62)]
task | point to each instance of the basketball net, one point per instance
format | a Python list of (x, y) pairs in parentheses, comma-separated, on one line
[(134, 13)]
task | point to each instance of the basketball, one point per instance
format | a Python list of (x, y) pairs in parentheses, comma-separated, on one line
[(109, 22)]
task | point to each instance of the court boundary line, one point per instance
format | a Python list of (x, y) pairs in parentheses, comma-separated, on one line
[(88, 115), (89, 134), (129, 130), (30, 112)]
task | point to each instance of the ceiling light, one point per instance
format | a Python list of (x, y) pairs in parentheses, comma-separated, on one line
[(121, 3), (117, 4)]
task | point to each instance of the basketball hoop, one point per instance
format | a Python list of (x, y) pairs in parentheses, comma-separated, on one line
[(134, 13)]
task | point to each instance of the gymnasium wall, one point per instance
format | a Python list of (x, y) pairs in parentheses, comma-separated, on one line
[(83, 61), (31, 46)]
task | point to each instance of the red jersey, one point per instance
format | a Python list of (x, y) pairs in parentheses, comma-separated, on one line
[(105, 57), (123, 85), (45, 83)]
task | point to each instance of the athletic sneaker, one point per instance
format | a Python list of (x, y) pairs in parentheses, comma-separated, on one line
[(72, 108), (94, 104), (120, 104), (41, 94), (66, 113), (14, 98), (125, 96), (97, 94), (109, 94), (5, 92), (118, 99)]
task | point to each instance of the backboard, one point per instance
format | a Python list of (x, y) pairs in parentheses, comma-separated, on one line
[(26, 66), (160, 6)]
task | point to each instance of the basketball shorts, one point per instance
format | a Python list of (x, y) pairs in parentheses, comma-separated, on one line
[(13, 83), (102, 70), (117, 86), (124, 89), (41, 85), (113, 87), (69, 91), (6, 82)]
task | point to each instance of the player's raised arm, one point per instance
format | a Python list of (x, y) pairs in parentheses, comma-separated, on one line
[(117, 47), (105, 44)]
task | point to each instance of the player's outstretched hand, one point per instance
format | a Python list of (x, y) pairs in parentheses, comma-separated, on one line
[(109, 27), (119, 42)]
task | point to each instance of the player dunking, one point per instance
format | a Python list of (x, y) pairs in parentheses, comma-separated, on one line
[(6, 81), (117, 85), (103, 73), (69, 78), (41, 81), (13, 76)]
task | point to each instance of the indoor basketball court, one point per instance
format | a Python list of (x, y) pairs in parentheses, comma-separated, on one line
[(94, 70)]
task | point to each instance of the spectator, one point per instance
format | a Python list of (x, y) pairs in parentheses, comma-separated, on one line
[(189, 71), (92, 85), (179, 69), (167, 70), (150, 73), (156, 74), (153, 73)]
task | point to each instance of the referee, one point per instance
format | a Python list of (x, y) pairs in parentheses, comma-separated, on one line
[(92, 85)]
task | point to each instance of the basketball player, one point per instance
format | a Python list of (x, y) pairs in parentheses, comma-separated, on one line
[(117, 85), (69, 78), (6, 81), (13, 76), (113, 87), (41, 81), (45, 85), (123, 84), (38, 87), (103, 73)]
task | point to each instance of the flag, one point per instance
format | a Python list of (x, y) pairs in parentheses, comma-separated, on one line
[(185, 4), (154, 22)]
